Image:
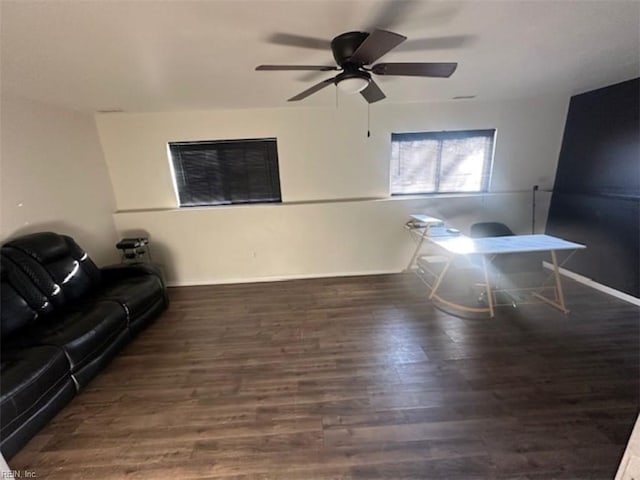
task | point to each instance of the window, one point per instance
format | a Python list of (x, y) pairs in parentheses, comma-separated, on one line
[(226, 172), (441, 162)]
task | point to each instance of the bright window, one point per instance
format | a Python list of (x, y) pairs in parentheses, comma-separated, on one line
[(441, 162)]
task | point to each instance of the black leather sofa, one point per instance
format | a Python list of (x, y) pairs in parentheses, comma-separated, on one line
[(62, 320)]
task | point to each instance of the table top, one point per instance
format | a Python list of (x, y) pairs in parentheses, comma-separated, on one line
[(426, 219), (463, 245)]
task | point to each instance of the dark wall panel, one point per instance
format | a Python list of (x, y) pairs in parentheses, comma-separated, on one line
[(602, 223), (596, 198)]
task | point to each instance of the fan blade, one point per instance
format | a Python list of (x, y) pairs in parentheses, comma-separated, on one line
[(376, 45), (318, 68), (393, 13), (372, 93), (314, 89), (437, 43), (415, 69), (292, 40)]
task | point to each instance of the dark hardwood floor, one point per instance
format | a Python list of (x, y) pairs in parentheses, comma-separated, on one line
[(354, 378)]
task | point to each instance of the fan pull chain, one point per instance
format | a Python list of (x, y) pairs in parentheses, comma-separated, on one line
[(368, 120)]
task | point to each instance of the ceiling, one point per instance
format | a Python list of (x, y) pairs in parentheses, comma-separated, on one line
[(140, 56)]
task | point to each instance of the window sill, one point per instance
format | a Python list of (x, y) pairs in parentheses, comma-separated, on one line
[(391, 198)]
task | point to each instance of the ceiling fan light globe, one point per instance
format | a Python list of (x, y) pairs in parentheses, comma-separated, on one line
[(353, 85)]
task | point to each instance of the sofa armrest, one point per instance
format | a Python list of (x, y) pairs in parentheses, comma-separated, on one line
[(114, 273)]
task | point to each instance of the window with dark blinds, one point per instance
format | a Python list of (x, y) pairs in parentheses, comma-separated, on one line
[(441, 162), (226, 172)]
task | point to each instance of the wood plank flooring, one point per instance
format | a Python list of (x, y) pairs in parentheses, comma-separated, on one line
[(354, 378)]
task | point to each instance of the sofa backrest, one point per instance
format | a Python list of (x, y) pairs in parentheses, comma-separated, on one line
[(21, 302), (55, 264), (36, 274)]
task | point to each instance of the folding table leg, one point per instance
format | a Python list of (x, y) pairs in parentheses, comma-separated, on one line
[(556, 272), (417, 250), (559, 302), (487, 284), (440, 278)]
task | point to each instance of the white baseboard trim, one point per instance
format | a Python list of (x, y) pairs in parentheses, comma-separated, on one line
[(595, 285), (276, 278)]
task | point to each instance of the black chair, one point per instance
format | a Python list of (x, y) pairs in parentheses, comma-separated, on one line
[(509, 263), (489, 229), (518, 267)]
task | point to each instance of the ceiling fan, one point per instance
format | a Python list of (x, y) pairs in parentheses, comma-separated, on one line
[(355, 52)]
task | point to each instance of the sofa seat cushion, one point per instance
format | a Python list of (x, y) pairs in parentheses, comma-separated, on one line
[(82, 333), (29, 376), (136, 294)]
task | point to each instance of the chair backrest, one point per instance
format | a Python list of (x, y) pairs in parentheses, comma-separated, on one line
[(489, 229), (512, 262)]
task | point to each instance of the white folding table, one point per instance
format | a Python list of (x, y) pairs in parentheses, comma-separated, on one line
[(488, 247)]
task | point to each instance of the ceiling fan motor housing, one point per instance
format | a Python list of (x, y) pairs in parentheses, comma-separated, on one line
[(344, 46), (351, 71)]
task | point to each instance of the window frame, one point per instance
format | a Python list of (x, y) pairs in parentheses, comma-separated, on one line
[(441, 136), (271, 162)]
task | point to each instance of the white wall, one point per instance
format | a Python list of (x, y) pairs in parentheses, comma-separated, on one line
[(53, 177), (327, 166)]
